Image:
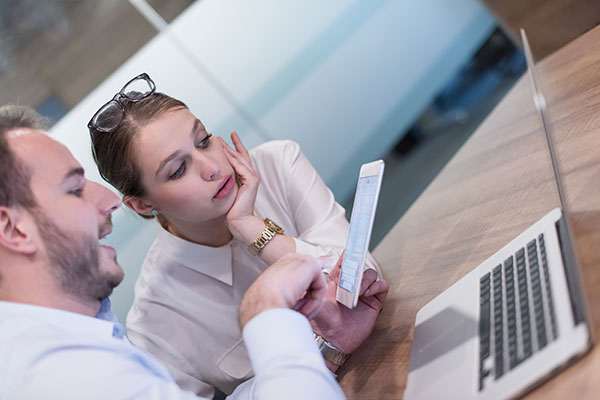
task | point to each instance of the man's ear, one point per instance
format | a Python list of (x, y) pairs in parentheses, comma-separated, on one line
[(138, 205), (16, 229)]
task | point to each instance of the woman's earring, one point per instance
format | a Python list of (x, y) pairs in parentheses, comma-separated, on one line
[(154, 213)]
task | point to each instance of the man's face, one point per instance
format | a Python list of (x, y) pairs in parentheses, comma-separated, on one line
[(71, 215)]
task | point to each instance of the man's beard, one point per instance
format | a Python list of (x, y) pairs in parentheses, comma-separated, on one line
[(77, 262)]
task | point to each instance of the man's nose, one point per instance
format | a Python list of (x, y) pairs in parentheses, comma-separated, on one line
[(106, 201)]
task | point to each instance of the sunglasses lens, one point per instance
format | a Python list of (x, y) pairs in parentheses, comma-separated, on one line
[(109, 117)]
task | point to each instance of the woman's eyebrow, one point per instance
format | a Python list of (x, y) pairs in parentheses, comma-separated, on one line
[(195, 128), (164, 162)]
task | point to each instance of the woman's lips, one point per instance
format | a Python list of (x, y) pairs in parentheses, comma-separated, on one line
[(225, 188)]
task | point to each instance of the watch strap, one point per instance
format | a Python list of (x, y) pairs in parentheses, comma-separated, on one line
[(271, 229), (330, 352)]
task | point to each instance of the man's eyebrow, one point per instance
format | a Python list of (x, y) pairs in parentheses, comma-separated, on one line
[(78, 171), (175, 154)]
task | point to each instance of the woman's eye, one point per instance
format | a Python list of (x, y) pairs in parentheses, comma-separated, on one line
[(204, 142), (179, 173)]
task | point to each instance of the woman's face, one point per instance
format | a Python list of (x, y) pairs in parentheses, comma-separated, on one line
[(184, 171)]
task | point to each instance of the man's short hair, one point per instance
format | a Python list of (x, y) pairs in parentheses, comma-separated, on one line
[(14, 175)]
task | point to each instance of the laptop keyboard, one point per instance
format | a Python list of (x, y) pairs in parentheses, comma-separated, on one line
[(517, 317)]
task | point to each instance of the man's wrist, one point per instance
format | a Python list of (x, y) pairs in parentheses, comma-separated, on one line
[(330, 353), (331, 366), (256, 301)]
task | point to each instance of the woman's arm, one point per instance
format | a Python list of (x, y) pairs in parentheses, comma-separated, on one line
[(243, 224), (320, 221)]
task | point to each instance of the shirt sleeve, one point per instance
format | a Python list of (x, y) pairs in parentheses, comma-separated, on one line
[(320, 220), (286, 361)]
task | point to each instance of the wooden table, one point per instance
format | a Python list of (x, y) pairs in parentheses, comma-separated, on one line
[(497, 184), (550, 24)]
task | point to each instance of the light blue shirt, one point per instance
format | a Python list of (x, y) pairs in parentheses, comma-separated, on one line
[(50, 353)]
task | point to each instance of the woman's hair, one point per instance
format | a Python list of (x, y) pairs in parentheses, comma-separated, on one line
[(114, 152)]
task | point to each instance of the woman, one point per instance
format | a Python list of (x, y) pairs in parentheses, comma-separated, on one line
[(224, 215)]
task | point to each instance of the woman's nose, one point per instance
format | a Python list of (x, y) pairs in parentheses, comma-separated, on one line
[(209, 169)]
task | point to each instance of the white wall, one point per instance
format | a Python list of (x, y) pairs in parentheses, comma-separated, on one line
[(343, 78)]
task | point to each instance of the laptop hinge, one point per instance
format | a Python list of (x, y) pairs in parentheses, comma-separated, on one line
[(570, 264)]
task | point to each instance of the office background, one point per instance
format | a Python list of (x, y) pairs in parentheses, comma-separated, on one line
[(351, 81)]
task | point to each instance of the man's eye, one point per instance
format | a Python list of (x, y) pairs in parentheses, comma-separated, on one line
[(179, 173), (204, 142), (77, 192)]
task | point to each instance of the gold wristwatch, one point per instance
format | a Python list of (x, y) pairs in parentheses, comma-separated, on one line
[(271, 229), (330, 352)]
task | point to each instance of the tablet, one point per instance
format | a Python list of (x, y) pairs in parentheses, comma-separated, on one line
[(359, 236)]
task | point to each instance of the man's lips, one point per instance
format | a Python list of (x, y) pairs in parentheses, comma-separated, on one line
[(224, 188), (105, 232), (105, 228)]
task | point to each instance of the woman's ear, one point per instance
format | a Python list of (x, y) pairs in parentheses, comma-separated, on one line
[(16, 230), (138, 205)]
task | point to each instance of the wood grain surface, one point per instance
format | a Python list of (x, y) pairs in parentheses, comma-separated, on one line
[(499, 183), (550, 24)]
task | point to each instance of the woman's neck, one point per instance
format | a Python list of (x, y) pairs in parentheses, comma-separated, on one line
[(214, 233)]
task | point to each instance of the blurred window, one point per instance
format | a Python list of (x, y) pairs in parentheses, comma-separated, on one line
[(54, 52)]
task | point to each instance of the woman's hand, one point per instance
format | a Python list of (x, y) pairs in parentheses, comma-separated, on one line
[(248, 180), (344, 328)]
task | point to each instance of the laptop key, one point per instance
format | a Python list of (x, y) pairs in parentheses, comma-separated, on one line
[(484, 317)]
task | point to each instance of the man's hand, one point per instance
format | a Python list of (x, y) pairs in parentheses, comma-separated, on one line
[(294, 281), (344, 328)]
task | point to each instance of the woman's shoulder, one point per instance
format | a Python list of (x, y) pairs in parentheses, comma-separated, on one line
[(276, 150)]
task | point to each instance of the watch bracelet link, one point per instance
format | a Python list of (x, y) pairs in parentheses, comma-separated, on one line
[(330, 352), (271, 229)]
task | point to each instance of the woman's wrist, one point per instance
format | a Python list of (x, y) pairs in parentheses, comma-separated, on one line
[(246, 229)]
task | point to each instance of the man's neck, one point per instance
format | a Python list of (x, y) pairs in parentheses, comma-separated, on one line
[(40, 289), (78, 306)]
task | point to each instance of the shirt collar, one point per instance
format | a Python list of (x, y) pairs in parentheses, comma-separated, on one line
[(215, 262), (77, 324)]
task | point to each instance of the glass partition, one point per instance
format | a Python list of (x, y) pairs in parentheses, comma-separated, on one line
[(53, 53)]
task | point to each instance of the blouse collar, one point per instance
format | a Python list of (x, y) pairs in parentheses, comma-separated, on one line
[(215, 262)]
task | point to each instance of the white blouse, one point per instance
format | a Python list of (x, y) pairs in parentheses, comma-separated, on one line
[(186, 303)]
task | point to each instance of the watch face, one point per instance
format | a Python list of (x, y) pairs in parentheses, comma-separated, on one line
[(272, 225)]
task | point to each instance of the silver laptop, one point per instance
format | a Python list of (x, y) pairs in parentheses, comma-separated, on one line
[(514, 320)]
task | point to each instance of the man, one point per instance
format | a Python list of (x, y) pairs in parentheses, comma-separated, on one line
[(58, 336)]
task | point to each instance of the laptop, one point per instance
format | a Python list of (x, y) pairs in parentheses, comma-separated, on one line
[(512, 322)]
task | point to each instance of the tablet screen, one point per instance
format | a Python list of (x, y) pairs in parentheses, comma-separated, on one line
[(359, 234)]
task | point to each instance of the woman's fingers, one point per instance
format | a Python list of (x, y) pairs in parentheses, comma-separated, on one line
[(242, 157), (239, 146), (369, 276), (241, 166)]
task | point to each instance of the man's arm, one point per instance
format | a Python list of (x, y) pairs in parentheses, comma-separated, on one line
[(97, 372), (280, 343), (279, 340)]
